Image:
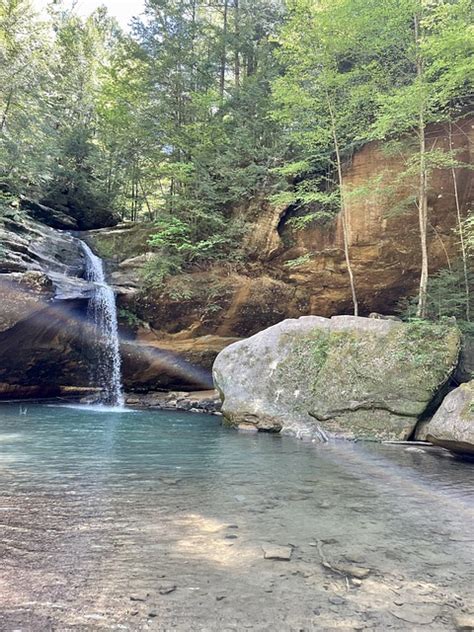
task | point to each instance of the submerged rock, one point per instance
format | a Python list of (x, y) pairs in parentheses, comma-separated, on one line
[(464, 622), (197, 401), (452, 426), (277, 552), (351, 376)]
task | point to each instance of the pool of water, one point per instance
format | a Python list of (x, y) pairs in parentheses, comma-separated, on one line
[(158, 521)]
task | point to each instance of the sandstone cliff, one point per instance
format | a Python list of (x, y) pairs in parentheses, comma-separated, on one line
[(238, 300)]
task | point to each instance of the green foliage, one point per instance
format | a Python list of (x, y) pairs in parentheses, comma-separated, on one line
[(178, 246), (446, 298), (129, 317), (299, 261), (468, 227), (198, 110)]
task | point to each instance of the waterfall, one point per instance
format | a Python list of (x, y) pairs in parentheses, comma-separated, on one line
[(102, 311)]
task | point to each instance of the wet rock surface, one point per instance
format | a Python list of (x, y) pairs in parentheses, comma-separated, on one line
[(348, 376), (452, 426), (42, 313), (195, 401)]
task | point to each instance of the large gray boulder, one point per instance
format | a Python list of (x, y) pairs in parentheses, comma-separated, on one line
[(453, 423), (348, 376)]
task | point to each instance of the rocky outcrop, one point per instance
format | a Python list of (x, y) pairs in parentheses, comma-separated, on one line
[(190, 317), (241, 299), (347, 376), (195, 402), (42, 312), (452, 426), (44, 331), (47, 215)]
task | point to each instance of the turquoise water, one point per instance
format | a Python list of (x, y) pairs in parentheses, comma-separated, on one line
[(156, 520)]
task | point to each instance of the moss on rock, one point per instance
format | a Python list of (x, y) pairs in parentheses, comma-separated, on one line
[(356, 377)]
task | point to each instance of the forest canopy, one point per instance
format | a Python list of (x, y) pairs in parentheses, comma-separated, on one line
[(205, 105)]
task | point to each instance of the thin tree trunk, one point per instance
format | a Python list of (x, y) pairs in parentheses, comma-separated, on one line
[(223, 52), (237, 44), (345, 228), (147, 203), (422, 191), (461, 229), (7, 108)]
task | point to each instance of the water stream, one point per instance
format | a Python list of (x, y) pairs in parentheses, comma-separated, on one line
[(156, 521), (102, 311)]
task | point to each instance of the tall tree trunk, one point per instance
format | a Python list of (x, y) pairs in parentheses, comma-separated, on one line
[(423, 185), (237, 44), (345, 227), (462, 239), (223, 52)]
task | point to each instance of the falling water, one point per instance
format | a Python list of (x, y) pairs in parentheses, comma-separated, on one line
[(102, 312)]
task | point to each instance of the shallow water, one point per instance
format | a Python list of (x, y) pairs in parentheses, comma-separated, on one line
[(102, 514)]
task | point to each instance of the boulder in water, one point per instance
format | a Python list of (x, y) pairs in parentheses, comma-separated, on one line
[(452, 426), (350, 376)]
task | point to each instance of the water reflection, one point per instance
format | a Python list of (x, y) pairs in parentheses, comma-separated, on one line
[(106, 504)]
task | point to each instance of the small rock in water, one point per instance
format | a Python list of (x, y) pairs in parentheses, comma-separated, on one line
[(169, 481), (152, 614), (463, 622), (231, 536), (220, 597), (139, 597), (166, 589), (337, 601), (277, 552), (359, 572), (419, 613), (247, 428)]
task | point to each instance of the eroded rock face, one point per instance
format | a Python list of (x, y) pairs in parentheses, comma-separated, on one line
[(42, 313), (240, 300), (44, 332), (452, 426), (351, 377), (28, 247)]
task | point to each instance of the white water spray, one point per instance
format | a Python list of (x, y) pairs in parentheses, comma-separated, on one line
[(102, 311)]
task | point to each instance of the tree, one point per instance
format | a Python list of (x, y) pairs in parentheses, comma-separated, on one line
[(25, 75), (434, 61), (321, 97)]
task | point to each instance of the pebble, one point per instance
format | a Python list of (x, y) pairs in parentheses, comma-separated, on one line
[(354, 571), (463, 622), (420, 613), (337, 601), (140, 597), (276, 552), (166, 589)]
